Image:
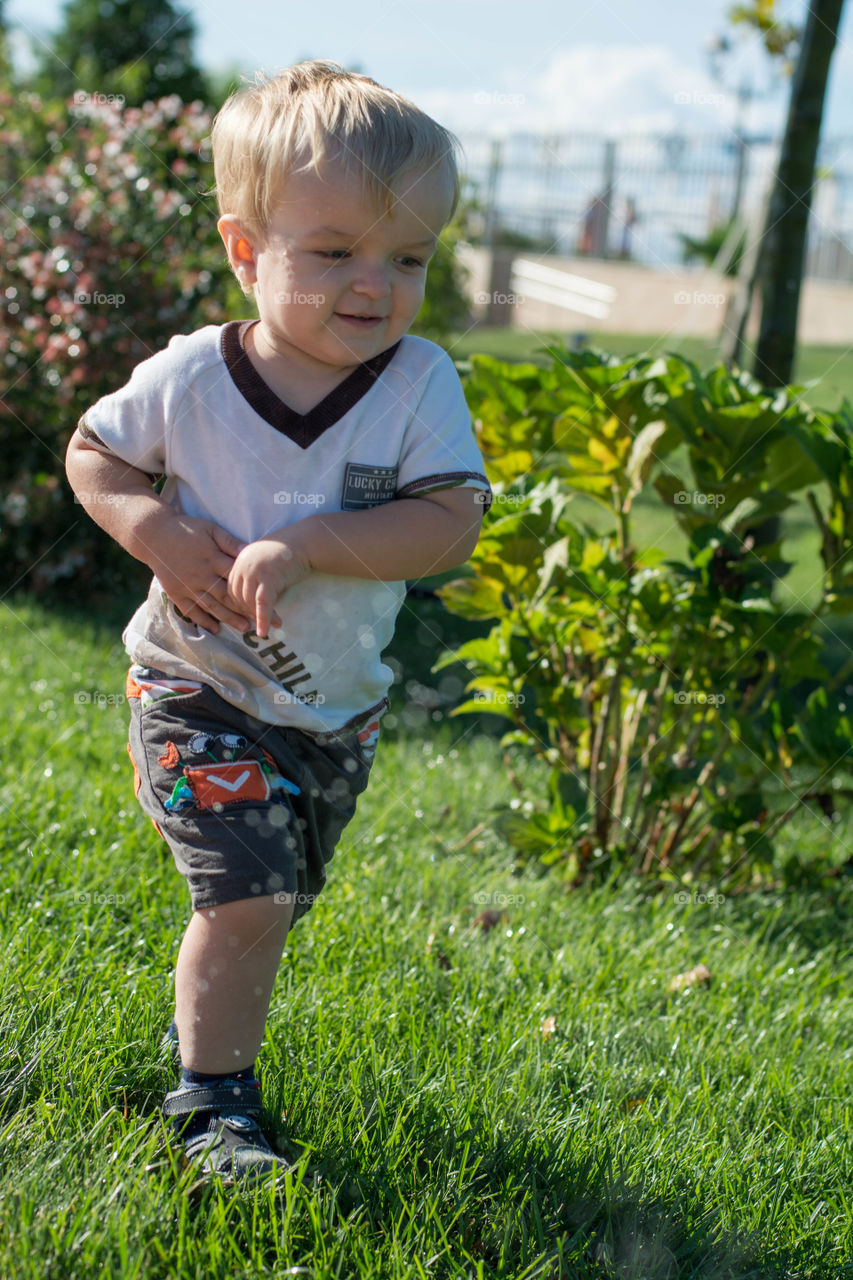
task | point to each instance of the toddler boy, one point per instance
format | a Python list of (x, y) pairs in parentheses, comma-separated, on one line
[(315, 459)]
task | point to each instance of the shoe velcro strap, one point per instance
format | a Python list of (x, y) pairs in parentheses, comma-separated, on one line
[(231, 1098)]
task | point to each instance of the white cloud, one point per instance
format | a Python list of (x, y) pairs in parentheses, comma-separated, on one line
[(615, 88)]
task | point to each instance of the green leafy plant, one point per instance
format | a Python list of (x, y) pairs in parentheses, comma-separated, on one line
[(708, 248), (664, 693), (446, 308)]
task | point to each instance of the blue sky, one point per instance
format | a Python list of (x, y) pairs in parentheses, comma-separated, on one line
[(500, 66)]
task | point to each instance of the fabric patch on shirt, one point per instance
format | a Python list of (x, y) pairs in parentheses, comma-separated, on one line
[(367, 486)]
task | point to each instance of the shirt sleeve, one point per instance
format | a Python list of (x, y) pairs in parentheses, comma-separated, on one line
[(132, 423), (439, 449)]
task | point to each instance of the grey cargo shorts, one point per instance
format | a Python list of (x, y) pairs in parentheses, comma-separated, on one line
[(247, 808)]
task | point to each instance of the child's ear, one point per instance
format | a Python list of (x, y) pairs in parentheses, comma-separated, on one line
[(240, 250)]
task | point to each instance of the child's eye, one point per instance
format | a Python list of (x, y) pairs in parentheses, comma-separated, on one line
[(337, 255), (412, 262)]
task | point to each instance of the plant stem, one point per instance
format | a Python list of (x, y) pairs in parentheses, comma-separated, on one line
[(608, 815), (673, 837), (642, 782), (630, 724), (708, 852), (603, 815), (787, 814)]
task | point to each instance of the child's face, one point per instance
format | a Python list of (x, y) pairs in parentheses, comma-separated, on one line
[(328, 259)]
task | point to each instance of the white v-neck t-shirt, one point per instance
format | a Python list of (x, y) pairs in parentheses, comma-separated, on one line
[(236, 454)]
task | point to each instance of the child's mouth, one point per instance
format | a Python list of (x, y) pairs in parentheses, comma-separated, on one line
[(364, 322)]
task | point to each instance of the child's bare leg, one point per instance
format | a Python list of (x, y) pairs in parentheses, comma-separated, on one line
[(225, 974)]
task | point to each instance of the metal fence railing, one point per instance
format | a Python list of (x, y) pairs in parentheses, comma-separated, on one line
[(631, 196)]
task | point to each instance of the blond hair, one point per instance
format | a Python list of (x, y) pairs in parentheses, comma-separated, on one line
[(314, 113)]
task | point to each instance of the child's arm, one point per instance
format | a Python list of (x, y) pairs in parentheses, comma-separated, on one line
[(406, 538), (190, 557)]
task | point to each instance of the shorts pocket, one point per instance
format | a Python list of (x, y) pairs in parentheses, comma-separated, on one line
[(219, 786)]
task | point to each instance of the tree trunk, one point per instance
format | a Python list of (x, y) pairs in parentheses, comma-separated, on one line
[(781, 255), (783, 252)]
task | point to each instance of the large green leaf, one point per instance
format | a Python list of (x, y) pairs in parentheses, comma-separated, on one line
[(650, 445), (826, 730), (484, 652), (475, 597), (787, 467)]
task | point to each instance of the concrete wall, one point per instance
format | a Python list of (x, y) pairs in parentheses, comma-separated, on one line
[(646, 302)]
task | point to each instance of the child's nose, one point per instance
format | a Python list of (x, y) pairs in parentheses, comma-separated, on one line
[(372, 281)]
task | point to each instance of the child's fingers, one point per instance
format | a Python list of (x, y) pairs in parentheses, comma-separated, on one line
[(226, 541), (221, 563), (267, 617), (228, 549), (223, 614), (263, 611)]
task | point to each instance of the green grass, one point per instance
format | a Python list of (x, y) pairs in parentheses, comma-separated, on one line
[(830, 367), (439, 1131)]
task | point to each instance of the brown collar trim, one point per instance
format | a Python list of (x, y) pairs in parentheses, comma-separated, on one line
[(302, 428)]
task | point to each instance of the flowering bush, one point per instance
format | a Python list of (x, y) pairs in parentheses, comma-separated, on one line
[(110, 247)]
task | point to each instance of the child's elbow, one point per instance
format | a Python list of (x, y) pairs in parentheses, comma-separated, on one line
[(464, 508), (470, 539), (76, 448)]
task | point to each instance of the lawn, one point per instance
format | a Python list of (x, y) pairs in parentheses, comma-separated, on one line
[(526, 1100)]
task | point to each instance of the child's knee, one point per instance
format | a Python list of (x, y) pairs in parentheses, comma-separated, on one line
[(250, 919)]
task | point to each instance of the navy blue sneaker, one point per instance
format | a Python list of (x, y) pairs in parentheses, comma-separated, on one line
[(218, 1127)]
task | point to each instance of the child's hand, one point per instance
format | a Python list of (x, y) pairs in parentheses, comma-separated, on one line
[(192, 558), (263, 570)]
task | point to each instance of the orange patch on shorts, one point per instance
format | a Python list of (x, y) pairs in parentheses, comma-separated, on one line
[(216, 785), (170, 758), (137, 781)]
